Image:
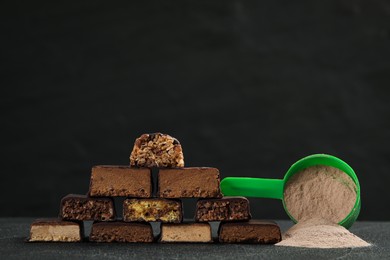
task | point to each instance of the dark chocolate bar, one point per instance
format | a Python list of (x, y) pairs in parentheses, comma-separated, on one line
[(121, 232), (82, 207), (112, 181), (186, 232), (157, 150), (157, 209), (254, 231), (196, 182), (225, 209), (55, 230)]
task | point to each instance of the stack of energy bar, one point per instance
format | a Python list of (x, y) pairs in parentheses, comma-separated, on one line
[(144, 205)]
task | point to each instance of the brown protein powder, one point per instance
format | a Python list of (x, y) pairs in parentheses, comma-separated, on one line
[(319, 197), (320, 192), (320, 233)]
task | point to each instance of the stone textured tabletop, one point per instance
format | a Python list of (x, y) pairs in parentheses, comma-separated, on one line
[(13, 232)]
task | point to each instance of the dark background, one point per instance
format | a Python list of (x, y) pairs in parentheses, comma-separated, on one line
[(248, 87)]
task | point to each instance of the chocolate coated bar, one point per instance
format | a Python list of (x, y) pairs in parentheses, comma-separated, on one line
[(254, 231), (112, 181), (225, 209), (121, 232), (196, 182), (81, 207)]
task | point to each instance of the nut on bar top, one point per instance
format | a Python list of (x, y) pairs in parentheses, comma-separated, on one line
[(225, 209), (253, 231), (195, 182), (186, 232), (121, 232), (155, 209), (114, 181), (82, 207), (55, 230), (157, 150)]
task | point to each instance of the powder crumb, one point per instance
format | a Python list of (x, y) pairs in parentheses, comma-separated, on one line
[(320, 233)]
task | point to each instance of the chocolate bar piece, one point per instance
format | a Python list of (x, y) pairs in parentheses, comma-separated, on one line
[(197, 182), (81, 207), (55, 230), (152, 210), (225, 209), (254, 231), (112, 181), (186, 232), (121, 232), (157, 150)]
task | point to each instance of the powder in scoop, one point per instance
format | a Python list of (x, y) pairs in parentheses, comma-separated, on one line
[(320, 192), (319, 197)]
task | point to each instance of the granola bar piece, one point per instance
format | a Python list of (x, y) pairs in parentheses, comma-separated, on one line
[(157, 150)]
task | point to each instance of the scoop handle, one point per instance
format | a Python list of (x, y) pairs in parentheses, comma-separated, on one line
[(252, 187)]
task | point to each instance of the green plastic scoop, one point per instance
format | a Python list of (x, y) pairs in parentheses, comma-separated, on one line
[(273, 188)]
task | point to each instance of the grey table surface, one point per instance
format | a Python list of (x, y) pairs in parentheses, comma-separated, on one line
[(13, 232)]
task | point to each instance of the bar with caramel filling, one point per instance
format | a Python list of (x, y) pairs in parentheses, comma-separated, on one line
[(157, 209)]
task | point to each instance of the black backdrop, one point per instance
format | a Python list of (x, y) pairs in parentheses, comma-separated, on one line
[(248, 87)]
